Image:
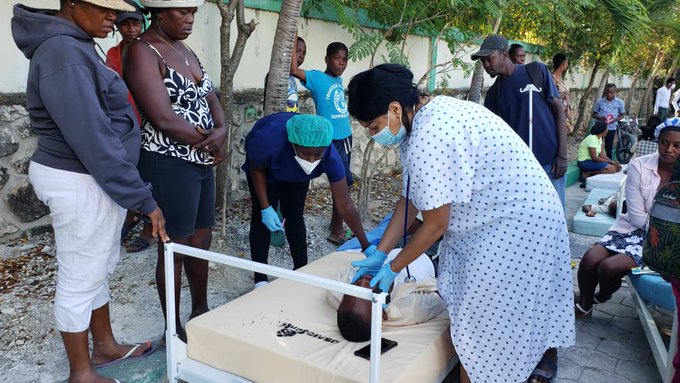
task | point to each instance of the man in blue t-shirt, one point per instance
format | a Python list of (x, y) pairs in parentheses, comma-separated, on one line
[(328, 94), (506, 99)]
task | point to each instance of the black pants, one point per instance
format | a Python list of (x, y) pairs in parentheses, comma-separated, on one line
[(609, 143), (291, 198)]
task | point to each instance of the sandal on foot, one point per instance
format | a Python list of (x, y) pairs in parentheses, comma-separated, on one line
[(150, 348), (127, 228), (581, 312), (546, 369), (336, 239), (138, 244)]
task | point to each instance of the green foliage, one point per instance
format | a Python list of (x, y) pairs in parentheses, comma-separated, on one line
[(395, 54), (625, 33), (365, 45)]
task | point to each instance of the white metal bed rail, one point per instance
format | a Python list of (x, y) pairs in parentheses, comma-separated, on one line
[(175, 356)]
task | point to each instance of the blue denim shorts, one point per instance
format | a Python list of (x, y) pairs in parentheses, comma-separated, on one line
[(591, 166)]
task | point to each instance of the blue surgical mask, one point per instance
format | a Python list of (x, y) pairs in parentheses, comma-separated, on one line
[(385, 136)]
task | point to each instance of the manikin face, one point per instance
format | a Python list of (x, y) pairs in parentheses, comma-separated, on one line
[(337, 63), (493, 63), (358, 305)]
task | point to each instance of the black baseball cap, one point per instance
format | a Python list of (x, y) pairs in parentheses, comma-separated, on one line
[(137, 14), (490, 44)]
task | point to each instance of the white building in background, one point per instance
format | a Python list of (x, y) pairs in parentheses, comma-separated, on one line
[(255, 62)]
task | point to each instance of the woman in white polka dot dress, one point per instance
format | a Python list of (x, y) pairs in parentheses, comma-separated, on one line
[(504, 261)]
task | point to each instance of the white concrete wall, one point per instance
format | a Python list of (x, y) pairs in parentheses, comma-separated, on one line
[(255, 62)]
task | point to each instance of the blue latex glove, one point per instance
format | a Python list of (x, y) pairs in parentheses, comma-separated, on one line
[(384, 278), (271, 220), (371, 265)]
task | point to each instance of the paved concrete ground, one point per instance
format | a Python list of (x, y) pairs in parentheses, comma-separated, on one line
[(610, 347)]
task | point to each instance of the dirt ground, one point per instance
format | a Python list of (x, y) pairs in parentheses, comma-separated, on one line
[(32, 349)]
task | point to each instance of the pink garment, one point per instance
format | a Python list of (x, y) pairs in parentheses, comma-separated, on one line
[(641, 184)]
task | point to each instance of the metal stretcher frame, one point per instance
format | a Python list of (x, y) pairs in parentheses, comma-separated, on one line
[(180, 366), (662, 357)]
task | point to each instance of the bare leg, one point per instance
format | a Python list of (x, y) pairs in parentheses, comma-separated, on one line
[(104, 345), (551, 355), (610, 273), (588, 274), (464, 378), (336, 226), (146, 231), (160, 283), (77, 352), (197, 272), (197, 275)]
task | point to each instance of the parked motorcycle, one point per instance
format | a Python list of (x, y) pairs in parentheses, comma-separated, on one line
[(627, 132)]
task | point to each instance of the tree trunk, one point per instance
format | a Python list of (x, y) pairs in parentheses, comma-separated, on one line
[(603, 83), (475, 93), (477, 82), (279, 65), (230, 60), (646, 105), (367, 173), (671, 70), (584, 99), (633, 88)]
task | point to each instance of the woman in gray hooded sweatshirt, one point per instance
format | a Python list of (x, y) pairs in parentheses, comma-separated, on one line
[(84, 169)]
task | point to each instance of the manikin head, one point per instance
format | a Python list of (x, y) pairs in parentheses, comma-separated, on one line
[(354, 315)]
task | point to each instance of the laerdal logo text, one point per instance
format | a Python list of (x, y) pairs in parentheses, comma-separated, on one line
[(290, 330)]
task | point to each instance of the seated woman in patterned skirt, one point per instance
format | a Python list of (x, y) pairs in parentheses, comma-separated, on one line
[(608, 260)]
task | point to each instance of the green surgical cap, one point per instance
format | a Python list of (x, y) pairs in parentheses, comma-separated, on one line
[(309, 130)]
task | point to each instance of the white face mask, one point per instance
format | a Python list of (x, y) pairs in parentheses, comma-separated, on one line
[(307, 167), (672, 86)]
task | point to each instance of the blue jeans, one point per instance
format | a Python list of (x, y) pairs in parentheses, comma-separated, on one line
[(560, 184)]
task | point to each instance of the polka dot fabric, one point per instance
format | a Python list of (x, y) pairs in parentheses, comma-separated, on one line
[(505, 269)]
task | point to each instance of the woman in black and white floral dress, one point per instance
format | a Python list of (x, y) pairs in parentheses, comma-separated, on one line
[(183, 134)]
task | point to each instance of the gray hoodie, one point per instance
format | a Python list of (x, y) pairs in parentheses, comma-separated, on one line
[(79, 107)]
